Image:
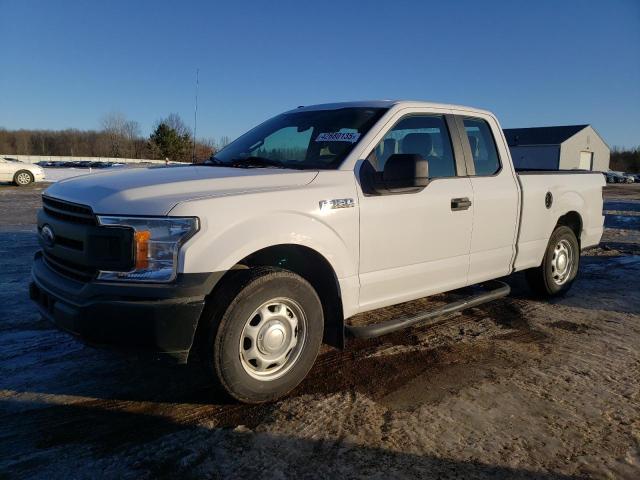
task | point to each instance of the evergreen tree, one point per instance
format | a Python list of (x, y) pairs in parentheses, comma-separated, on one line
[(168, 143)]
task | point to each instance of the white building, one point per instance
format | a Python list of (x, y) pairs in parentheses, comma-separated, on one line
[(558, 148)]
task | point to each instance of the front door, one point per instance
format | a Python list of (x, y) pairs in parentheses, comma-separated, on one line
[(416, 244)]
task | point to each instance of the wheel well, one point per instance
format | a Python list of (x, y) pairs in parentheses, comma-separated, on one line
[(314, 268), (573, 220)]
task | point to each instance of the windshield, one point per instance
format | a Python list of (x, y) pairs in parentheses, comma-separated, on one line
[(319, 139)]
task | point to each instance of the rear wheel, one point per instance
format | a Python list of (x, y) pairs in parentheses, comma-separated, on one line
[(22, 178), (559, 266), (265, 341)]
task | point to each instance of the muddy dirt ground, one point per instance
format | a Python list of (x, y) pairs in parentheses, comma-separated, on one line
[(519, 388)]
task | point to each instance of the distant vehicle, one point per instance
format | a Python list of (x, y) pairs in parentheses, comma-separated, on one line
[(352, 207), (619, 177), (21, 174), (627, 178)]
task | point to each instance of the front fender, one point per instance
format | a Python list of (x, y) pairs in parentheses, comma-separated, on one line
[(334, 236)]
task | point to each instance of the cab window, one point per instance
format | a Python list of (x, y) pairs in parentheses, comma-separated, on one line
[(483, 147), (425, 135)]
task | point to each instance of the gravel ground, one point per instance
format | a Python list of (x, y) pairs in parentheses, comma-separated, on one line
[(518, 388)]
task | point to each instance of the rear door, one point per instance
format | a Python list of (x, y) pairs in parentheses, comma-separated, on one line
[(415, 244), (496, 198)]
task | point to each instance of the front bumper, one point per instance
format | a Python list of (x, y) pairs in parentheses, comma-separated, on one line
[(160, 318)]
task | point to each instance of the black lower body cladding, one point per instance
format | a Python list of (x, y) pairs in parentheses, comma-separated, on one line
[(159, 318)]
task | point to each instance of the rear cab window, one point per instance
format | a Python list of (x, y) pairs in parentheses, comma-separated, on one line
[(483, 146)]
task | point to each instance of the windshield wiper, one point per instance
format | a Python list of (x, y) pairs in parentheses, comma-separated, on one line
[(214, 162), (249, 162)]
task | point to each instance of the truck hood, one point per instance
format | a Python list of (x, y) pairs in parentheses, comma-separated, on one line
[(156, 190)]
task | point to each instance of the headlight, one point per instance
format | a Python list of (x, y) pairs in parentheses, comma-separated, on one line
[(156, 242)]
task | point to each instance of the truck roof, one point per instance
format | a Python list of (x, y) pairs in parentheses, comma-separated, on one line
[(385, 104)]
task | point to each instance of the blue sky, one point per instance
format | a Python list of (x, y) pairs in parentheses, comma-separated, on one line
[(66, 64)]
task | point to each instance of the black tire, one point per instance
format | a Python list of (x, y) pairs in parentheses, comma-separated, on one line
[(546, 280), (19, 175), (236, 306)]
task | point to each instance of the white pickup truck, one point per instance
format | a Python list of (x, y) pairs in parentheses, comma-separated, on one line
[(316, 215)]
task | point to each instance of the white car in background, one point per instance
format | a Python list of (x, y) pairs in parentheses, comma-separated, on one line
[(21, 174)]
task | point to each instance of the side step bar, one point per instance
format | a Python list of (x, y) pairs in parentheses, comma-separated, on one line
[(498, 290)]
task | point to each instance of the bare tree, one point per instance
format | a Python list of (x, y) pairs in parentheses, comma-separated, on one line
[(223, 142), (117, 137), (131, 133), (175, 122), (113, 125)]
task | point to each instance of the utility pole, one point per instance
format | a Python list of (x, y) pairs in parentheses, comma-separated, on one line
[(195, 118)]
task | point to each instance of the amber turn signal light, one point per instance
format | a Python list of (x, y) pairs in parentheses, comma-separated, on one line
[(142, 248)]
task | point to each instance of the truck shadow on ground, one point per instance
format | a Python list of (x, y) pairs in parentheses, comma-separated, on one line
[(99, 440)]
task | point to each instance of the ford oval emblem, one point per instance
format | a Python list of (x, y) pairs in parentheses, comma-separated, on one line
[(47, 236)]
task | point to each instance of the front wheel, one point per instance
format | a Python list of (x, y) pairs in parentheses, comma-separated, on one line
[(559, 266), (23, 178), (268, 336)]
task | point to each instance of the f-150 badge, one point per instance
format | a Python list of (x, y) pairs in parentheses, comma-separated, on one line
[(337, 203)]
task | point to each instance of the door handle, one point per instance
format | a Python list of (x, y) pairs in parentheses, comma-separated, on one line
[(460, 204)]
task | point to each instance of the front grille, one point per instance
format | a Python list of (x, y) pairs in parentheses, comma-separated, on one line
[(70, 243), (80, 247), (69, 212), (69, 269)]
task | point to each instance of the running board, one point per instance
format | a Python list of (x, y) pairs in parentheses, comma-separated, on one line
[(499, 290)]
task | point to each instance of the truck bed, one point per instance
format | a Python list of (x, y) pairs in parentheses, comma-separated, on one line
[(575, 195)]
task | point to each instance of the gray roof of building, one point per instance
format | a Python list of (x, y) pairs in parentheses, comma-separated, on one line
[(541, 135)]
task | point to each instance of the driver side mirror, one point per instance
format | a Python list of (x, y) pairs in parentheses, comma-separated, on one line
[(404, 173)]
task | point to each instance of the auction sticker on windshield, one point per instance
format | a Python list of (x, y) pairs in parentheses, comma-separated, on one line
[(338, 137)]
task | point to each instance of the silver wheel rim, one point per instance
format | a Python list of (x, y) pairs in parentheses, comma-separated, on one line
[(562, 262), (23, 178), (272, 339)]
